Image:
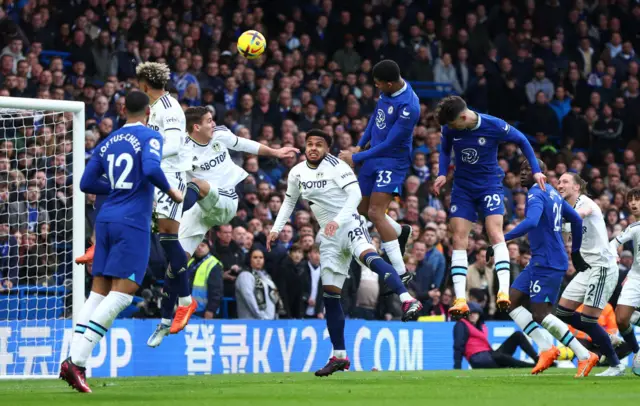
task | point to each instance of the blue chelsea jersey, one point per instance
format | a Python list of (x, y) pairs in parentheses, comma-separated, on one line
[(395, 116), (476, 151), (121, 157), (547, 245)]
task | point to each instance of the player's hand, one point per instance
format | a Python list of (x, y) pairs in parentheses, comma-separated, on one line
[(331, 228), (347, 156), (579, 262), (356, 149), (439, 184), (286, 152), (541, 180), (489, 254), (175, 195), (271, 238)]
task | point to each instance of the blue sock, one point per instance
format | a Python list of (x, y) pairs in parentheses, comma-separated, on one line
[(385, 271), (335, 320), (168, 303), (629, 336), (600, 338), (178, 262), (191, 197)]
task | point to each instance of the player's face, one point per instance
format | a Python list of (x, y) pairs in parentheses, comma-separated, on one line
[(634, 205), (526, 176), (205, 128), (383, 86), (316, 149), (567, 187)]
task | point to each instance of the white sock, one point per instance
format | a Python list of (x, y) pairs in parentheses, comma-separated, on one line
[(84, 316), (561, 332), (392, 249), (166, 322), (396, 227), (524, 320), (502, 266), (406, 296), (459, 265), (101, 320), (184, 301), (635, 318), (342, 354)]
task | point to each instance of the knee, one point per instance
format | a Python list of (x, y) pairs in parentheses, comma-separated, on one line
[(203, 187), (375, 213), (539, 315)]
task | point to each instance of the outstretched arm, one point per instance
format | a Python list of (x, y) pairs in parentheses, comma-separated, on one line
[(514, 135), (236, 143), (534, 212)]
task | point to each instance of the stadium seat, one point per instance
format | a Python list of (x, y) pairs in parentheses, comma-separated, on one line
[(432, 90)]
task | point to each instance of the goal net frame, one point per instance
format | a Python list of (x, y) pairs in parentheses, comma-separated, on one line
[(77, 108)]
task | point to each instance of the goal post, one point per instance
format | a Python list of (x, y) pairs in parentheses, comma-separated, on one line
[(38, 139)]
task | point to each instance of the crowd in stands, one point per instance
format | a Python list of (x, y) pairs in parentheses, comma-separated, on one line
[(565, 72)]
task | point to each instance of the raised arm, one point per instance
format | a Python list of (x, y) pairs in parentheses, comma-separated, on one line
[(236, 143), (514, 135), (534, 212)]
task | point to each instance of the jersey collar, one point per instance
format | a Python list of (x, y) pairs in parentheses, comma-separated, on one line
[(399, 92), (133, 124), (153, 104), (479, 121), (197, 143)]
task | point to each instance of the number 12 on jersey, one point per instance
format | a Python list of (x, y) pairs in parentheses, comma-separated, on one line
[(124, 161)]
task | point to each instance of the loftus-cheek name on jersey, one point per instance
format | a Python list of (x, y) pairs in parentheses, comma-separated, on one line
[(130, 138), (213, 162), (313, 184)]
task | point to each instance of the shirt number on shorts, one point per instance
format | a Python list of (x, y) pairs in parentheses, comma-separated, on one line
[(384, 178), (492, 202), (534, 287), (557, 217), (114, 162)]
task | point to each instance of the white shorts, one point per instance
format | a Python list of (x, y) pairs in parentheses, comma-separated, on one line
[(593, 287), (351, 240), (215, 209), (630, 294), (165, 207)]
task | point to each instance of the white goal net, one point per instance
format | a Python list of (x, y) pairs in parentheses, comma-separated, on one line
[(41, 231)]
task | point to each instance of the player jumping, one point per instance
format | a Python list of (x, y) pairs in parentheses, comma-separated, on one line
[(594, 286), (130, 157), (167, 117), (539, 283), (332, 188), (386, 162), (214, 178), (477, 187), (627, 317)]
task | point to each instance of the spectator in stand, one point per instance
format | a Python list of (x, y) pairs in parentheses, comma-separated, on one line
[(205, 272), (256, 293)]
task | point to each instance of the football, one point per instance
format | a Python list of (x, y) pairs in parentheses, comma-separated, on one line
[(251, 44)]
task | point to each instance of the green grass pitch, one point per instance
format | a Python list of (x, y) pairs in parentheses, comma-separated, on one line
[(555, 387)]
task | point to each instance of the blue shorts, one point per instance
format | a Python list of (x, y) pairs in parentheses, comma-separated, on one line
[(541, 284), (467, 204), (382, 175), (121, 252)]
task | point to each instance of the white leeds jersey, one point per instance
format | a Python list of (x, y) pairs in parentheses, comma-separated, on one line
[(323, 187), (167, 117), (632, 232), (595, 247), (211, 162)]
